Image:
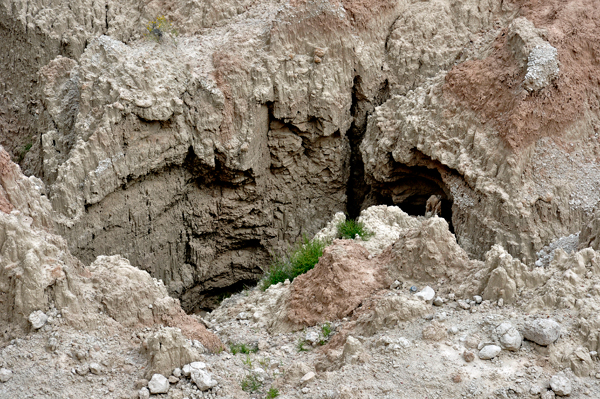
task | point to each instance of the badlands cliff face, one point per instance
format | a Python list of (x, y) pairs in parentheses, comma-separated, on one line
[(195, 157), (142, 180)]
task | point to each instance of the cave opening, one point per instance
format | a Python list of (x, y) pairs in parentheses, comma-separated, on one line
[(410, 187)]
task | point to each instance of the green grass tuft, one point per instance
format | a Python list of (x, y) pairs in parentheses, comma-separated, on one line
[(326, 330), (302, 258), (272, 393), (300, 346), (242, 348), (251, 383), (349, 228)]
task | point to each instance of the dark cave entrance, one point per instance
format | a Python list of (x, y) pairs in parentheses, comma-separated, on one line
[(409, 188)]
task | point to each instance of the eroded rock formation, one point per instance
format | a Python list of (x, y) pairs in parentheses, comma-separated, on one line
[(194, 157)]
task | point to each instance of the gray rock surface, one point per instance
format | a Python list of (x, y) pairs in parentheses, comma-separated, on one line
[(542, 331), (38, 319), (203, 379), (489, 352), (5, 374), (158, 384), (561, 384)]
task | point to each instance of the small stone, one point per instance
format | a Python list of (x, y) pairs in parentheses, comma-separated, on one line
[(144, 393), (187, 369), (177, 372), (456, 378), (489, 352), (535, 390), (319, 52), (308, 377), (52, 344), (438, 301), (202, 379), (426, 294), (38, 319), (542, 331), (560, 384), (500, 302), (395, 285), (598, 376), (173, 380), (83, 369), (464, 305), (317, 60), (5, 374), (477, 299), (451, 296), (312, 337), (510, 337), (305, 390), (158, 384), (139, 384), (548, 395), (95, 368), (453, 330), (468, 356)]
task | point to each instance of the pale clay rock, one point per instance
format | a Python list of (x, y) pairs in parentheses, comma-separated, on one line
[(144, 393), (203, 379), (542, 331), (489, 352), (158, 384), (38, 319), (5, 374), (561, 384), (426, 294)]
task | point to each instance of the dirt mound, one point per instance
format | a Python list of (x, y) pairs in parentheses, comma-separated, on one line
[(341, 280), (493, 87), (428, 254)]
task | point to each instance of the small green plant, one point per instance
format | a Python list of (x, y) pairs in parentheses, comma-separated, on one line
[(23, 151), (159, 28), (264, 362), (326, 330), (247, 361), (350, 228), (242, 348), (272, 393), (300, 346), (303, 257), (251, 383)]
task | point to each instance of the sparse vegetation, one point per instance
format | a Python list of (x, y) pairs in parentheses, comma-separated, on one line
[(251, 383), (300, 346), (326, 330), (247, 361), (350, 228), (159, 28), (23, 151), (303, 257), (242, 348), (272, 393)]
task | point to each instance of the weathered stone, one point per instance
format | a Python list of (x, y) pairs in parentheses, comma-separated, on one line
[(5, 374), (158, 384), (38, 319), (509, 337), (560, 384), (542, 331), (489, 352), (203, 379), (426, 294)]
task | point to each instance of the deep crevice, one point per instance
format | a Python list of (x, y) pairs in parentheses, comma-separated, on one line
[(357, 188)]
